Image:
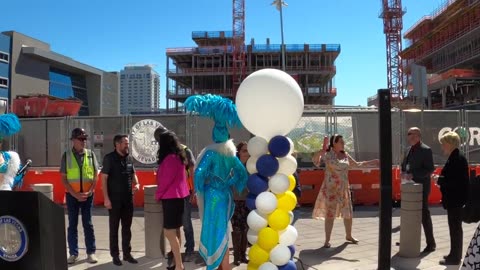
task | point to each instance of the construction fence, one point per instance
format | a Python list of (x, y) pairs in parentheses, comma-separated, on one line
[(44, 140)]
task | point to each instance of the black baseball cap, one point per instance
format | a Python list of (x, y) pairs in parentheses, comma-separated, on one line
[(159, 131), (78, 133)]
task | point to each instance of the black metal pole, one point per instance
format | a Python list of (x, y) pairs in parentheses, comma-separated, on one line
[(385, 125)]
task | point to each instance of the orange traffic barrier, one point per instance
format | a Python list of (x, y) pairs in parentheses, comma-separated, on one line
[(48, 177), (364, 183), (311, 181)]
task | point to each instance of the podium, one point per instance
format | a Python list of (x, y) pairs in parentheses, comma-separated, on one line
[(32, 232)]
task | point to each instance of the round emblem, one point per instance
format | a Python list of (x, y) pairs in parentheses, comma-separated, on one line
[(13, 239), (144, 145)]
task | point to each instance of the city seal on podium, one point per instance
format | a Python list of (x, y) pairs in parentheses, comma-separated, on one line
[(144, 145), (13, 239)]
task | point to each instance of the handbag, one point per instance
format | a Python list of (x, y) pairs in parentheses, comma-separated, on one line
[(471, 210)]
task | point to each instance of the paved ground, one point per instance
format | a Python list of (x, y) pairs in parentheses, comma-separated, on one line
[(309, 254)]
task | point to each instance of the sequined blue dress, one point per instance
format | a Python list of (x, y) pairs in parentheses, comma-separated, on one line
[(216, 174)]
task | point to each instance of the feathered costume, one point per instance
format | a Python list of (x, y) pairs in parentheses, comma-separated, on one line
[(9, 125), (217, 171)]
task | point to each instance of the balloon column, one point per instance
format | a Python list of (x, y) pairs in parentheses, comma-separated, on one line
[(270, 104)]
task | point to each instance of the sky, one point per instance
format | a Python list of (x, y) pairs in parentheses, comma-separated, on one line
[(110, 34)]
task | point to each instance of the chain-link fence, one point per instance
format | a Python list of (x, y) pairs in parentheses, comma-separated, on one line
[(44, 140)]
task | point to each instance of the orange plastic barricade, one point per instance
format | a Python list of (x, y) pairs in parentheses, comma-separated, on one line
[(48, 177), (311, 181), (147, 177), (435, 196), (365, 185), (396, 184)]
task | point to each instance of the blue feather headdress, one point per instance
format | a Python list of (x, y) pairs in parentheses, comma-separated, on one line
[(9, 124), (222, 110)]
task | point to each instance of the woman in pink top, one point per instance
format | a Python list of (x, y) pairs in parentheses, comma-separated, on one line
[(171, 190)]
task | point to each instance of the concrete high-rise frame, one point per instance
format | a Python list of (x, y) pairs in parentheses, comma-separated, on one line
[(208, 68)]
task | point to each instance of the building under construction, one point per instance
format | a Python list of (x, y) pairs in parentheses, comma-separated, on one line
[(447, 44), (211, 67)]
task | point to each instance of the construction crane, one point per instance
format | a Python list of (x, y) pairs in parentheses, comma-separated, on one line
[(392, 14), (238, 45)]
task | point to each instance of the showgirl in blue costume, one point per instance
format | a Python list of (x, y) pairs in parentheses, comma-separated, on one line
[(218, 170), (9, 160)]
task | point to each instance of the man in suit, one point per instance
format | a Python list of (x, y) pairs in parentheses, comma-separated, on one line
[(418, 166)]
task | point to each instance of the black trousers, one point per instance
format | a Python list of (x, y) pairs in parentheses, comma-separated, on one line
[(121, 212), (456, 233), (427, 222)]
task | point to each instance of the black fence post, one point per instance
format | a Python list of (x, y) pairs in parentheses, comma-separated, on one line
[(385, 140)]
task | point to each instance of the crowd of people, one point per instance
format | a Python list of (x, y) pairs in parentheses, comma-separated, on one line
[(218, 183)]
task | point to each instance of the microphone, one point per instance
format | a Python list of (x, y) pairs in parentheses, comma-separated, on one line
[(25, 167)]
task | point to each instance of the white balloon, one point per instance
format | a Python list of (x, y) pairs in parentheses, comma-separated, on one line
[(256, 221), (257, 146), (287, 165), (268, 266), (288, 236), (292, 216), (292, 146), (252, 165), (266, 203), (269, 102), (279, 183), (280, 255), (252, 236)]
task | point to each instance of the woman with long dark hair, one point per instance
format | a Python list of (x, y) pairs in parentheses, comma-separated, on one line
[(171, 190), (334, 199)]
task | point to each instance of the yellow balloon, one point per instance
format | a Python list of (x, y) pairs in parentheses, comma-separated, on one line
[(279, 220), (267, 238), (252, 266), (257, 255), (292, 181), (287, 201)]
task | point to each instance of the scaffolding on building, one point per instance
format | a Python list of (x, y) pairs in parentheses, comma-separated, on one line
[(447, 44), (209, 67)]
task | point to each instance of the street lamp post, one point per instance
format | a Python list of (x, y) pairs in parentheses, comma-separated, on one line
[(279, 4)]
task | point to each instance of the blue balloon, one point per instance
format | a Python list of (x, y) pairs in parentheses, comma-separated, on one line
[(292, 250), (250, 201), (279, 146), (267, 165), (257, 184), (289, 266)]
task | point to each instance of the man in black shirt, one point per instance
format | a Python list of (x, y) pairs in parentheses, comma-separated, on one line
[(119, 183)]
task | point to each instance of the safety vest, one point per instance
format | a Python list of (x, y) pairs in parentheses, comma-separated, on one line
[(80, 181)]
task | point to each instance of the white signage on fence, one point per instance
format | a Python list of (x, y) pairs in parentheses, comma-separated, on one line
[(144, 146), (470, 137)]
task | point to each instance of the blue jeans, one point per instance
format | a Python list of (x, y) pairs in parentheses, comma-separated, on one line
[(187, 225), (74, 207)]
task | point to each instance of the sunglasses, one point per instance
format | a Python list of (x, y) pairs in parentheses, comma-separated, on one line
[(81, 139)]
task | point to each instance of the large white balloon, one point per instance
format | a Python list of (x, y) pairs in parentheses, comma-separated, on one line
[(287, 165), (269, 103), (280, 255), (256, 221), (279, 183), (292, 145), (257, 146), (288, 236), (252, 236), (266, 203), (252, 165), (268, 266)]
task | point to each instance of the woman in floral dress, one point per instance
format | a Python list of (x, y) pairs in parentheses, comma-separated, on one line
[(334, 200)]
